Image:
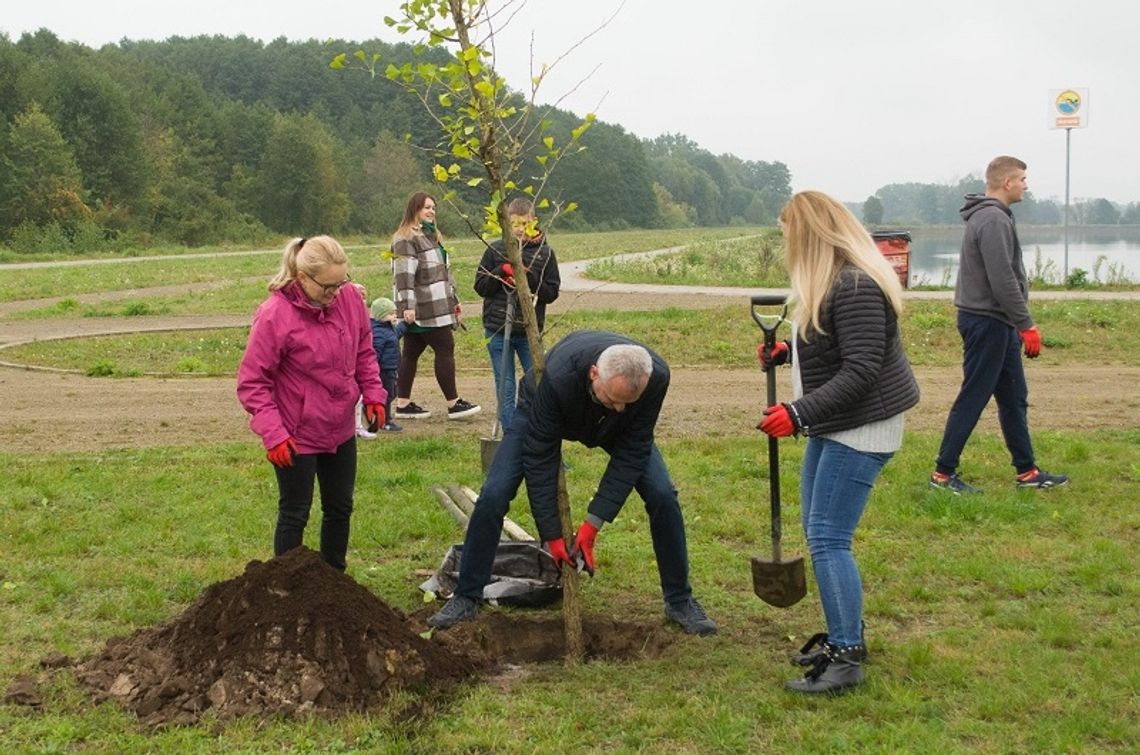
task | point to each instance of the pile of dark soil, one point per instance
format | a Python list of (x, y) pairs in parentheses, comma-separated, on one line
[(289, 636)]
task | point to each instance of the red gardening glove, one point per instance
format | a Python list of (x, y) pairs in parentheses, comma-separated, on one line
[(558, 552), (1031, 338), (282, 454), (773, 357), (508, 274), (777, 421), (375, 415), (584, 544)]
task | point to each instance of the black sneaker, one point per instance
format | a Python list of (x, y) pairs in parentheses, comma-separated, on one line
[(462, 409), (454, 611), (953, 484), (691, 617), (1039, 478), (411, 411), (391, 427)]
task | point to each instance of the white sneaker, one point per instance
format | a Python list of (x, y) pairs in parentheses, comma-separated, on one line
[(363, 432)]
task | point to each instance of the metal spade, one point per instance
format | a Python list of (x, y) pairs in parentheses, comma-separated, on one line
[(488, 446), (777, 582)]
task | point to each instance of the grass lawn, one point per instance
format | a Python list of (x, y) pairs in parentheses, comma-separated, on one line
[(1001, 623)]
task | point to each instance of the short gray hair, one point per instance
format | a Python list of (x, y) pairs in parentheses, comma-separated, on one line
[(627, 360)]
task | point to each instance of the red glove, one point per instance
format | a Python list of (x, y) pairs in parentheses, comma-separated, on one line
[(584, 544), (281, 455), (558, 552), (508, 274), (773, 357), (777, 421), (375, 415), (1032, 340)]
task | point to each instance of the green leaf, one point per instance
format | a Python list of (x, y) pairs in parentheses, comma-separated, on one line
[(528, 190), (548, 141), (484, 88), (542, 205), (338, 62), (439, 173), (453, 169), (475, 182), (461, 151), (570, 207), (392, 72), (542, 159), (449, 196), (445, 99), (389, 21), (359, 55)]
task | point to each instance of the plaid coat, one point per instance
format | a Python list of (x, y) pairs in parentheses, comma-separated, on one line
[(421, 281)]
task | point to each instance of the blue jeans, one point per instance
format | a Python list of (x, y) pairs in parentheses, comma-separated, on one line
[(991, 366), (834, 486), (337, 475), (505, 382), (666, 524)]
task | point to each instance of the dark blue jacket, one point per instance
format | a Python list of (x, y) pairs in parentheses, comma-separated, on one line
[(562, 407), (386, 340)]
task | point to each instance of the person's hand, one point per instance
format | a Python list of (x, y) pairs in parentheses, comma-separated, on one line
[(584, 544), (1031, 339), (773, 357), (508, 275), (557, 549), (777, 421), (409, 316), (281, 455), (375, 415)]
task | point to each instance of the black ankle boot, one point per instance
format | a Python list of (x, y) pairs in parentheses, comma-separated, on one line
[(835, 671), (813, 648)]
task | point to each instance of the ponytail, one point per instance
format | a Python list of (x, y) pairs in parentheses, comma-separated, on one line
[(287, 273)]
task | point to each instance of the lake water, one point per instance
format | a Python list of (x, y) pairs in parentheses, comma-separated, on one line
[(934, 252)]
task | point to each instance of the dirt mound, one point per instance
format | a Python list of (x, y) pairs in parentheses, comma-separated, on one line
[(289, 636)]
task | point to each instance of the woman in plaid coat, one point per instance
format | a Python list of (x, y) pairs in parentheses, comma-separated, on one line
[(426, 300)]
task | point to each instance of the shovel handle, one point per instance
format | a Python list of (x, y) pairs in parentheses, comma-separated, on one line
[(768, 324)]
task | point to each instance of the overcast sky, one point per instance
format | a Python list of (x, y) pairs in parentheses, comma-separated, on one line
[(850, 95)]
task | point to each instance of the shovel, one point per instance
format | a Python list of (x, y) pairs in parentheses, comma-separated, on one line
[(488, 446), (777, 582)]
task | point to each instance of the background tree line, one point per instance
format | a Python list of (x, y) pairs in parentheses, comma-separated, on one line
[(209, 140), (913, 204)]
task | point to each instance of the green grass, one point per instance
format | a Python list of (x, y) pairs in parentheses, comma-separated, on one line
[(1001, 623), (1094, 332), (754, 260)]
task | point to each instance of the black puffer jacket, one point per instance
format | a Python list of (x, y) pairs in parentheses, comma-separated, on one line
[(856, 372), (541, 275)]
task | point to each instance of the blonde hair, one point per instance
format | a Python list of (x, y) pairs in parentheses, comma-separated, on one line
[(821, 236), (410, 223), (1001, 168), (309, 256)]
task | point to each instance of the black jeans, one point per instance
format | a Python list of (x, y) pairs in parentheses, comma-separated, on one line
[(991, 366), (666, 524), (337, 475)]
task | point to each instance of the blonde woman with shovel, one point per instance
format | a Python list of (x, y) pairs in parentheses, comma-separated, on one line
[(852, 383)]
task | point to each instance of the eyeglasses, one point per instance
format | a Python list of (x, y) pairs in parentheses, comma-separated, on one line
[(330, 288)]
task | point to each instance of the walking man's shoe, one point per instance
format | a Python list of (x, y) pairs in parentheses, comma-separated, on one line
[(458, 609), (1039, 478), (691, 617), (952, 483)]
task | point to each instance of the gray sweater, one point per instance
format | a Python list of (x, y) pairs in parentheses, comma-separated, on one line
[(991, 272)]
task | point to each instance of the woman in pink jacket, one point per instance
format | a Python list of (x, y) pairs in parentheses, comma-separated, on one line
[(308, 359)]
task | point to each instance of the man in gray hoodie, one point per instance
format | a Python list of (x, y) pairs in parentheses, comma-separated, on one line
[(992, 295)]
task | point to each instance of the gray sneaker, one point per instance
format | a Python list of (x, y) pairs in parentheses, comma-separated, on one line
[(1039, 478), (458, 609), (691, 617), (953, 484)]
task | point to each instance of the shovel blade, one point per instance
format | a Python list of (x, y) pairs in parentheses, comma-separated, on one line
[(487, 449), (779, 583)]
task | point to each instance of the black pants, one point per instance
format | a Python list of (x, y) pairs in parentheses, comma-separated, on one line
[(337, 475), (442, 343)]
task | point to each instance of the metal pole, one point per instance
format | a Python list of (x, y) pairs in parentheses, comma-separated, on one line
[(1068, 133)]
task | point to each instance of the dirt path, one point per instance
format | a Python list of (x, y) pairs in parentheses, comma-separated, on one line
[(46, 411)]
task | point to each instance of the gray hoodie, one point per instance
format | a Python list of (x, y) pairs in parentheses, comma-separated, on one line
[(991, 273)]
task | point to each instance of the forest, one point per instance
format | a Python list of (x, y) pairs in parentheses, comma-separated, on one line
[(217, 140)]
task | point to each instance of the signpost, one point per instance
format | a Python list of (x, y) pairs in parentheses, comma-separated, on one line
[(1068, 109)]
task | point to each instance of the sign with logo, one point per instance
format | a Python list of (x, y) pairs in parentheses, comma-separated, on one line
[(1068, 108)]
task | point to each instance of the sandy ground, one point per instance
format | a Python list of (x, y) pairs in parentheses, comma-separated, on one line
[(48, 411)]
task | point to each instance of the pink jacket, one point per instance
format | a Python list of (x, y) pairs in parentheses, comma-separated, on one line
[(304, 368)]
